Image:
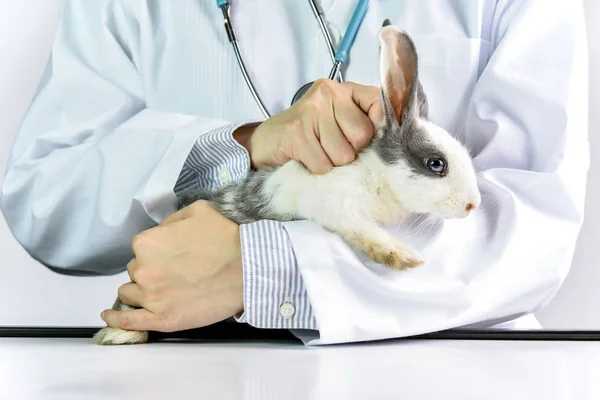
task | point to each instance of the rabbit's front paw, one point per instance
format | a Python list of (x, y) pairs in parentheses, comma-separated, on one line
[(386, 250), (408, 258), (113, 336), (399, 256)]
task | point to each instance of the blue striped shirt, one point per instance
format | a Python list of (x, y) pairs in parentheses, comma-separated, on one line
[(274, 293)]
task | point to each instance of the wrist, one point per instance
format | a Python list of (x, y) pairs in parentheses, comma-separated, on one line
[(243, 136)]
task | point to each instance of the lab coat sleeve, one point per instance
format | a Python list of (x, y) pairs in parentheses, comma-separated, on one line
[(527, 128), (91, 165)]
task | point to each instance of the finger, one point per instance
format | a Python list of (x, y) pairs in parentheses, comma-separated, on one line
[(334, 142), (356, 126), (129, 293), (131, 267), (368, 99), (132, 320), (313, 155)]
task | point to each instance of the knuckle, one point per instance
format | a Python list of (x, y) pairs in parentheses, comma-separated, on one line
[(142, 274), (139, 240), (146, 237), (120, 292), (362, 138), (346, 85), (367, 133), (150, 274), (347, 157), (324, 84), (132, 269), (324, 168), (362, 135), (322, 89)]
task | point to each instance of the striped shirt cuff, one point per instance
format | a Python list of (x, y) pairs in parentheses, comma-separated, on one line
[(274, 293), (216, 159)]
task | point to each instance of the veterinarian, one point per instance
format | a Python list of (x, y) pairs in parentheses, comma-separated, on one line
[(141, 100)]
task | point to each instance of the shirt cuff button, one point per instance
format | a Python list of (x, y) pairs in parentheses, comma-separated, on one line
[(224, 176), (287, 310)]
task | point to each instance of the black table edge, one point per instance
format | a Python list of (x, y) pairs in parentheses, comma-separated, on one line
[(204, 333)]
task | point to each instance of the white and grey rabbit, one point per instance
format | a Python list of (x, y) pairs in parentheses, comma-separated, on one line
[(410, 166)]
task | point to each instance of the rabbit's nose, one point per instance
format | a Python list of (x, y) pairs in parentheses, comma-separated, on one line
[(470, 207)]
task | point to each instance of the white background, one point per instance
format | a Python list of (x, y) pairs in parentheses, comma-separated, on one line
[(30, 294)]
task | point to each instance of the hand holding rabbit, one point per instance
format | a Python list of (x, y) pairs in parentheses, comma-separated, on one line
[(326, 128)]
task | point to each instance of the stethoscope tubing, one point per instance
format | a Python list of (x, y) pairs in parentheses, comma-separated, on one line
[(319, 17), (226, 8)]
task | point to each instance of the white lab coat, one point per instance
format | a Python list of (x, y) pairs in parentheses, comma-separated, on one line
[(132, 84)]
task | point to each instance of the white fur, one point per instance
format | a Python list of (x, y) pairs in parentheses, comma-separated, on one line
[(115, 336)]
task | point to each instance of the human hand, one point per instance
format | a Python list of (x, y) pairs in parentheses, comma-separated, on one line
[(186, 274), (325, 128)]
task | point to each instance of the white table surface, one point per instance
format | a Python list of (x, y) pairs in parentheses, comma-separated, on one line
[(76, 369)]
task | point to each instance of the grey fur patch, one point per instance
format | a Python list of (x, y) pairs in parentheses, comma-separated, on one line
[(408, 142), (243, 202)]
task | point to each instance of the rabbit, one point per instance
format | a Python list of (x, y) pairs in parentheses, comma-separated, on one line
[(410, 166)]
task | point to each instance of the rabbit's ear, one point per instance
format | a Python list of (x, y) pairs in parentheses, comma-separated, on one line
[(403, 96)]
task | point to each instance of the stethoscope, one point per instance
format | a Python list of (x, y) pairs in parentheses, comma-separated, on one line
[(338, 58)]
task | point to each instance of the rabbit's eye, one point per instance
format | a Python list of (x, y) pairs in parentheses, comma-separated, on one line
[(436, 165)]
